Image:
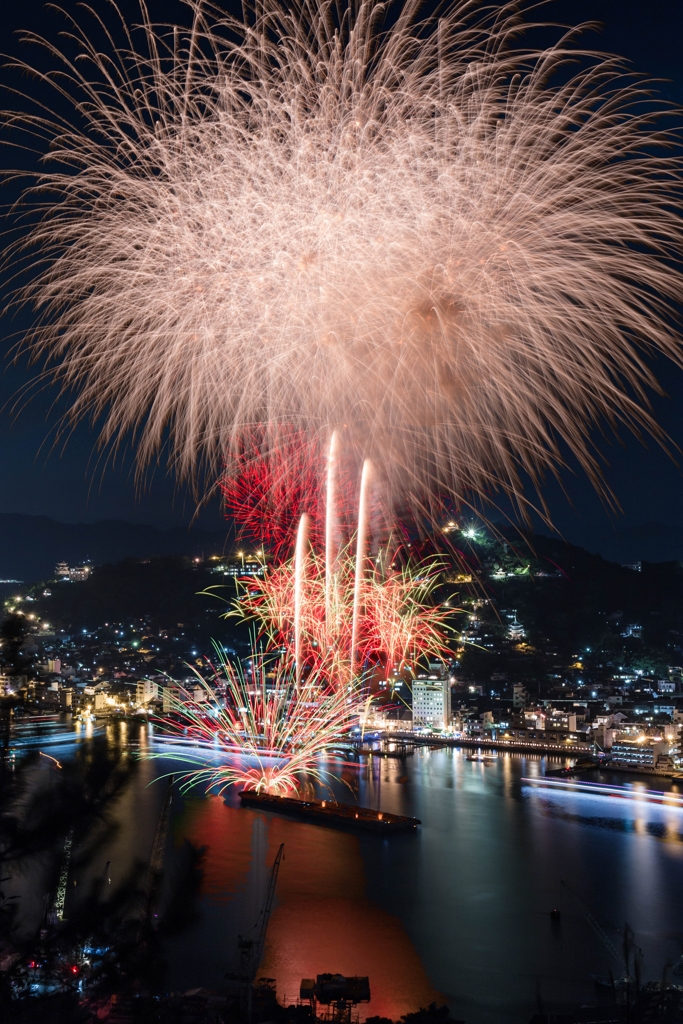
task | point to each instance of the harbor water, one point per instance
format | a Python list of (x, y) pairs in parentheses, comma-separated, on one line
[(458, 913)]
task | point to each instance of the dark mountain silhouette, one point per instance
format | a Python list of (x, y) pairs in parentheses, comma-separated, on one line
[(645, 542), (648, 542), (31, 546)]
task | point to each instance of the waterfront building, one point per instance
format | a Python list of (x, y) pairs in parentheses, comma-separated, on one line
[(432, 703), (640, 753), (603, 736), (559, 739), (561, 720), (145, 691)]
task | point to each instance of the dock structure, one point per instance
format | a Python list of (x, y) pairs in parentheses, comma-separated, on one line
[(333, 815)]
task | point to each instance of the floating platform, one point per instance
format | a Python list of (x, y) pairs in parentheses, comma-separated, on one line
[(346, 816)]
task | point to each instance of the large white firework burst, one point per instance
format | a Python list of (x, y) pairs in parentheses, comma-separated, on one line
[(341, 215)]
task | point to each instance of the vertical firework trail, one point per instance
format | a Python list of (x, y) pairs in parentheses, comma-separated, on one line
[(331, 526), (300, 554), (361, 552)]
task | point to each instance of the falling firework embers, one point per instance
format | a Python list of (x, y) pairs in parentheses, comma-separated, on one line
[(453, 247)]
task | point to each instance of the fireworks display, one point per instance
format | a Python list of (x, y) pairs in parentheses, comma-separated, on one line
[(260, 242), (399, 623), (333, 618), (267, 492), (450, 247), (266, 733), (337, 610)]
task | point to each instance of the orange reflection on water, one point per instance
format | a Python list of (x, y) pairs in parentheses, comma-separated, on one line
[(208, 822), (322, 919), (325, 922)]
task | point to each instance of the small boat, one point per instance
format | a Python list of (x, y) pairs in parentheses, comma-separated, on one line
[(326, 812), (555, 914), (482, 758)]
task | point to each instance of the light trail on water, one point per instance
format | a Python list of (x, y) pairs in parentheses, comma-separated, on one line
[(671, 801)]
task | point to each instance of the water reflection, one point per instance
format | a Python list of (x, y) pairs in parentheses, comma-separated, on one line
[(463, 908), (209, 822), (323, 919), (326, 920), (459, 912)]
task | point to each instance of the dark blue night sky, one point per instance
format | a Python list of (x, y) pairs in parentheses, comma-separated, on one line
[(66, 482)]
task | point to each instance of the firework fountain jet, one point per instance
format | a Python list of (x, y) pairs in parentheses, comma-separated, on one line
[(361, 553), (453, 247), (300, 561)]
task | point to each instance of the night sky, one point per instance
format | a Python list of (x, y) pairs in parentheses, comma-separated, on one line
[(67, 483)]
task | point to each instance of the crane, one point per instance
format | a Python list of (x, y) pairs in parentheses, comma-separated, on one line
[(60, 898), (251, 950)]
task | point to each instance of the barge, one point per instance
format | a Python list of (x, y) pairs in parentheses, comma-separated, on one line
[(334, 815)]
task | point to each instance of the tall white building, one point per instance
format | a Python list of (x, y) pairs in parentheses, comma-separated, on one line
[(145, 691), (432, 703)]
